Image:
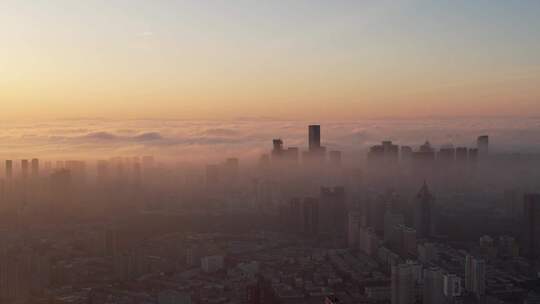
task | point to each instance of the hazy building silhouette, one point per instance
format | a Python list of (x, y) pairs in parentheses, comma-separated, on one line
[(406, 153), (483, 145), (452, 285), (473, 155), (9, 169), (353, 231), (403, 284), (386, 151), (531, 225), (24, 168), (425, 153), (277, 150), (333, 211), (433, 289), (310, 216), (475, 276), (462, 154), (447, 154), (335, 158), (423, 212), (314, 138), (35, 167)]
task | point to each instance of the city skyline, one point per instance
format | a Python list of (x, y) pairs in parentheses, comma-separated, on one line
[(301, 60), (269, 152)]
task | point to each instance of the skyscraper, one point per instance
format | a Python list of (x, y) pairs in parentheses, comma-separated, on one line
[(314, 137), (531, 225), (333, 211), (277, 150), (433, 290), (483, 145), (423, 212), (335, 158), (354, 229), (403, 281), (462, 154), (475, 276), (24, 168), (310, 216), (9, 169), (452, 285), (35, 167)]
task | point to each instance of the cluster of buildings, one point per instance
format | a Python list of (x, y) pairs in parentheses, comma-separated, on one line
[(300, 227)]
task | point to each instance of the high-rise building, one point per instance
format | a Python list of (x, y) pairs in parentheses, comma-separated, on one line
[(452, 285), (295, 219), (423, 212), (427, 253), (386, 151), (433, 287), (462, 154), (314, 137), (35, 167), (277, 150), (210, 264), (24, 168), (9, 169), (406, 153), (483, 145), (335, 158), (425, 153), (475, 276), (333, 211), (310, 216), (447, 154), (403, 284), (391, 220), (292, 154), (473, 155), (354, 229), (391, 151), (531, 225)]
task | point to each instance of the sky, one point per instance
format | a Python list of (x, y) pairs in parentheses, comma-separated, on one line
[(304, 59)]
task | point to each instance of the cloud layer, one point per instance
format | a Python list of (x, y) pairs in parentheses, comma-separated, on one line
[(194, 141)]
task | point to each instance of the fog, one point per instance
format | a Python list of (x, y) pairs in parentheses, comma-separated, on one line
[(144, 211), (247, 138)]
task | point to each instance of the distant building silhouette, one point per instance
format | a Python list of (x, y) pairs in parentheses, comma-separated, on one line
[(335, 158), (462, 154), (423, 212), (9, 169), (531, 225), (24, 168), (314, 137), (35, 167), (475, 276), (483, 145)]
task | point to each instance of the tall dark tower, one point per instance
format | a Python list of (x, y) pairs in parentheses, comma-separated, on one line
[(483, 145), (24, 168), (423, 212), (314, 137), (9, 169), (531, 225), (35, 167)]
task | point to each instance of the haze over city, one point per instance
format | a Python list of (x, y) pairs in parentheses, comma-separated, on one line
[(269, 152)]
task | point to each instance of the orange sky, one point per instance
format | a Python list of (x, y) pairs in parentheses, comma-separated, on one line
[(308, 60)]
